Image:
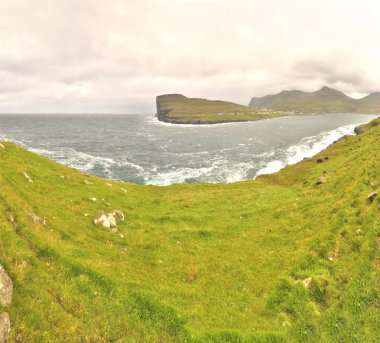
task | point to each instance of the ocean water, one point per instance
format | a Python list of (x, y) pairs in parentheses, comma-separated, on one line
[(139, 149)]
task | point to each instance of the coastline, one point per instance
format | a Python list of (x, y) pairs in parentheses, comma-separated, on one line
[(165, 119), (272, 167)]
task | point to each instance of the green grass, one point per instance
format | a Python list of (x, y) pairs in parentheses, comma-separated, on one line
[(176, 108), (203, 262)]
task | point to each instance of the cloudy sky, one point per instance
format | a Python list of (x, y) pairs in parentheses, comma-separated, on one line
[(115, 56)]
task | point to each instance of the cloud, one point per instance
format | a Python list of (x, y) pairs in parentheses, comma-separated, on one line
[(116, 56)]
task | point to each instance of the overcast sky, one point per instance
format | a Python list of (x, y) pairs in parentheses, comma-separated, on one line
[(115, 56)]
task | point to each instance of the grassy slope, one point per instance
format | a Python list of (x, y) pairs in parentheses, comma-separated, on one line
[(323, 101), (176, 108), (203, 262)]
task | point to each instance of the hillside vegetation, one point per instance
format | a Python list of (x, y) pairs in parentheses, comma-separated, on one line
[(176, 108), (324, 100), (278, 259)]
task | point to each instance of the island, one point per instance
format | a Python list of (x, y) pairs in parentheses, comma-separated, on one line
[(179, 109)]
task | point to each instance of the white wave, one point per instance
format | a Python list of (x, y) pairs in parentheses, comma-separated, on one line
[(271, 167), (308, 147), (220, 171), (85, 162)]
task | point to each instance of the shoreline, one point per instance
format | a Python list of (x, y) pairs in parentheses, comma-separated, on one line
[(356, 131), (164, 119)]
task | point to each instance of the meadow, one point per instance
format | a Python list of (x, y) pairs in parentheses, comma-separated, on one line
[(277, 259)]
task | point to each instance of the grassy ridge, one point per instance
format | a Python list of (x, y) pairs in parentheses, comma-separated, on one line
[(176, 108), (199, 263)]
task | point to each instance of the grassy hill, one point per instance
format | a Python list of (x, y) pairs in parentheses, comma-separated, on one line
[(322, 101), (199, 262), (176, 108)]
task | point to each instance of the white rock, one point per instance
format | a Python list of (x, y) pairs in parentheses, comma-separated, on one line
[(5, 327), (108, 219), (28, 177), (6, 287)]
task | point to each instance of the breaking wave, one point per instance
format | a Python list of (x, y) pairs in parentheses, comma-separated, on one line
[(308, 147), (143, 152)]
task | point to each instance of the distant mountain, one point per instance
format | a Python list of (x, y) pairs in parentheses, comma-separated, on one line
[(322, 101), (373, 98), (177, 108)]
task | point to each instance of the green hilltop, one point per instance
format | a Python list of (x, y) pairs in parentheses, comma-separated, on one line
[(324, 100), (176, 108), (278, 259)]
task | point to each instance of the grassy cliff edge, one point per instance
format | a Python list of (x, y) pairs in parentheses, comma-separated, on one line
[(277, 259), (178, 109)]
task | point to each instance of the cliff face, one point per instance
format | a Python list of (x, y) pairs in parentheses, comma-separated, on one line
[(165, 104)]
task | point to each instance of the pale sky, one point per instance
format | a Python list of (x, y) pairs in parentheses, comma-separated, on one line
[(115, 56)]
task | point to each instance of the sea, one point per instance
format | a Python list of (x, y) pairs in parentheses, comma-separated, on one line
[(142, 150)]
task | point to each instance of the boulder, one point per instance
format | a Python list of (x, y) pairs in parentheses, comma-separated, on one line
[(6, 287), (5, 327), (321, 180), (108, 219), (319, 160), (372, 196)]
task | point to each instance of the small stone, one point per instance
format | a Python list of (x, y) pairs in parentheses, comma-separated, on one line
[(62, 177), (11, 218), (28, 177), (93, 199), (319, 160), (321, 180), (5, 327), (306, 282), (372, 196), (87, 182), (86, 214), (109, 184), (36, 219), (6, 287), (24, 264)]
